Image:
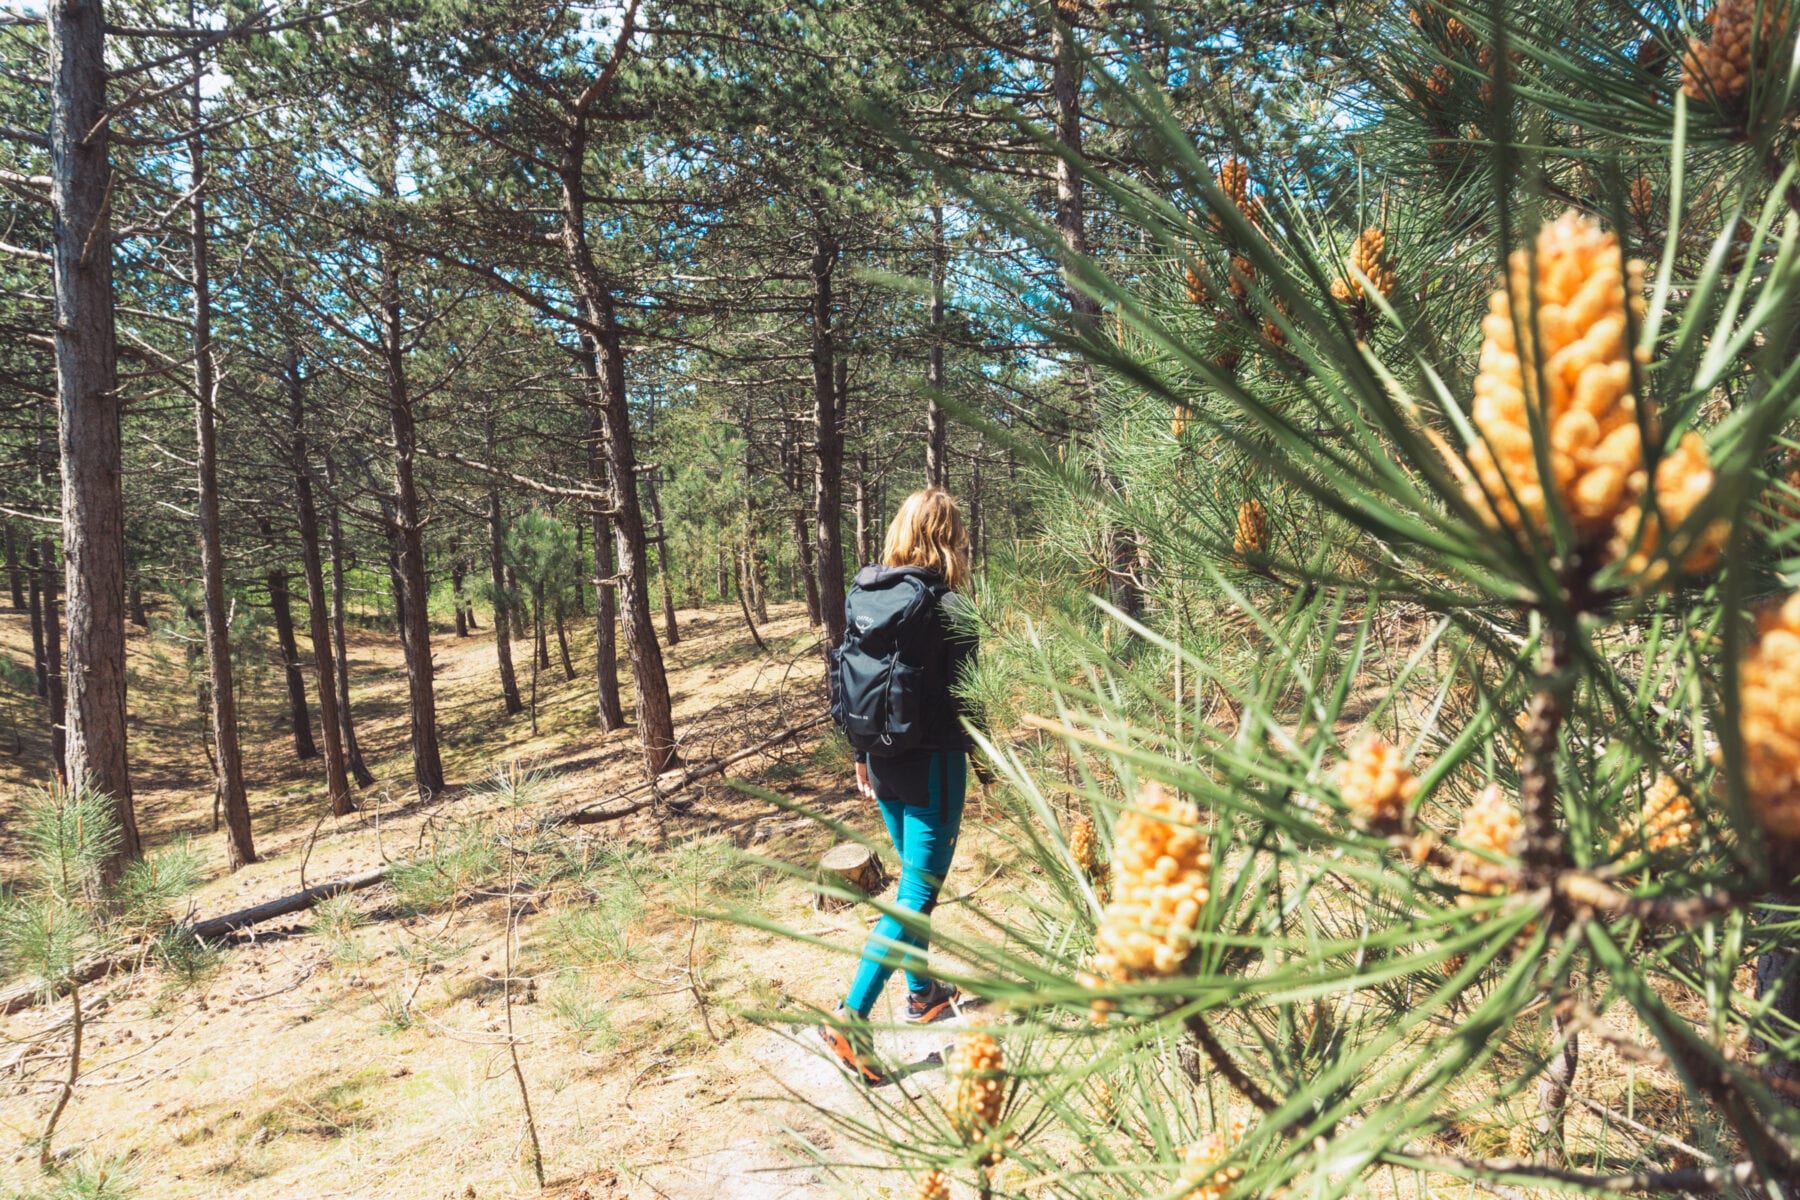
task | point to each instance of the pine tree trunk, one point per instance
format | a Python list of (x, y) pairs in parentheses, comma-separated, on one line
[(828, 440), (282, 604), (655, 717), (325, 667), (977, 533), (139, 616), (611, 711), (937, 426), (456, 589), (35, 567), (15, 576), (93, 503), (509, 682), (413, 600), (562, 642), (353, 758), (670, 633), (794, 478), (865, 552), (1084, 311), (240, 845), (539, 641), (53, 662)]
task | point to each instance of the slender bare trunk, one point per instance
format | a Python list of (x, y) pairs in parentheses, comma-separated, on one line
[(828, 440), (562, 642), (93, 503), (794, 479), (413, 598), (281, 603), (509, 681), (34, 564), (456, 589), (325, 667), (240, 845), (53, 661), (353, 758), (937, 427), (670, 632), (14, 574), (865, 550), (655, 717), (139, 616)]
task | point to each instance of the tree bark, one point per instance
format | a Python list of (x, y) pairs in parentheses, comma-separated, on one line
[(53, 661), (937, 432), (353, 758), (977, 531), (325, 671), (240, 845), (414, 616), (540, 643), (655, 718), (139, 616), (88, 398), (865, 550), (828, 440)]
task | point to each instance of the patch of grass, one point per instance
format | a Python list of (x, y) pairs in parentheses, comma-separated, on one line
[(455, 866), (602, 932), (336, 921), (85, 1178), (396, 1014), (581, 1011), (334, 1110)]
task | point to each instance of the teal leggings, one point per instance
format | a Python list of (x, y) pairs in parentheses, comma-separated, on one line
[(925, 836)]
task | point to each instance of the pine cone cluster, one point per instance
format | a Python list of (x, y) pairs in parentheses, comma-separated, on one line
[(1770, 695), (1252, 535), (1666, 821), (1490, 824), (1084, 847), (978, 1070), (1719, 68), (1376, 783), (1202, 1165), (1161, 881), (932, 1186), (1178, 421), (1684, 477), (1365, 256), (1582, 287), (1641, 199), (1234, 180), (1198, 293)]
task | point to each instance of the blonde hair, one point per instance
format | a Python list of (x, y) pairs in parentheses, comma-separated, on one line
[(928, 532)]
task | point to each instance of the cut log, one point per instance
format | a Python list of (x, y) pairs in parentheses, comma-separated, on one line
[(852, 867)]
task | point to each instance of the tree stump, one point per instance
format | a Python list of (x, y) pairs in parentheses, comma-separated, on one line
[(852, 867)]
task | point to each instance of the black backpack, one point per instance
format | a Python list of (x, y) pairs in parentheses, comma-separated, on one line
[(886, 672)]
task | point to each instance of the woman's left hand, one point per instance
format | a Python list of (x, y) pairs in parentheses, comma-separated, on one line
[(864, 788)]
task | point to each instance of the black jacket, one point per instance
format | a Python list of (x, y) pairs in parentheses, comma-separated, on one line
[(944, 731)]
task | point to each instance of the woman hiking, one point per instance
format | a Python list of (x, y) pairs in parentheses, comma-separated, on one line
[(892, 684)]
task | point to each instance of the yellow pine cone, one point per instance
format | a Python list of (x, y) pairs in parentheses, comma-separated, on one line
[(1665, 822), (1770, 690), (1252, 536), (1197, 291), (1376, 783), (1719, 69), (1242, 272), (1365, 256), (1641, 200), (1202, 1165), (1491, 823), (1234, 181), (1106, 1105), (977, 1068), (1178, 422), (1160, 873), (1683, 478), (932, 1186), (1589, 412), (1084, 846)]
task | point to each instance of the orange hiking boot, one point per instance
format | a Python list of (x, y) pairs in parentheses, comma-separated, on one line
[(852, 1049), (924, 1007)]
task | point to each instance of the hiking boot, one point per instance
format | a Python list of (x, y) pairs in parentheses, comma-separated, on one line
[(924, 1007), (852, 1049)]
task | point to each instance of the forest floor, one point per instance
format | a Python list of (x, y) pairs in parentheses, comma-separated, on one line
[(360, 1050)]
